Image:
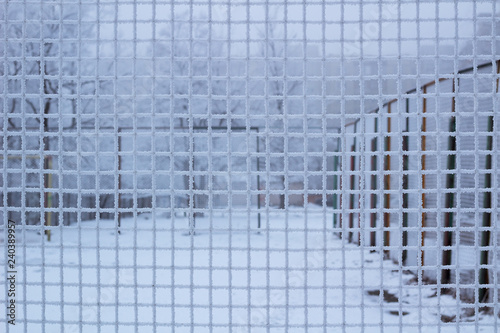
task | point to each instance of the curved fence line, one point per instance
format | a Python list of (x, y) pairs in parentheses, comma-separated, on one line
[(414, 178)]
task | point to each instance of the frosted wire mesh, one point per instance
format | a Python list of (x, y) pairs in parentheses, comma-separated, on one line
[(249, 166)]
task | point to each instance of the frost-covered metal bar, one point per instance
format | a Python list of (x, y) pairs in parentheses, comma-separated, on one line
[(193, 163)]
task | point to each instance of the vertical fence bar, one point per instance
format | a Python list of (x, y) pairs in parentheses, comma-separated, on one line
[(258, 182), (423, 148), (450, 197), (406, 167), (486, 224), (48, 195), (387, 183), (373, 196), (351, 195), (341, 195), (119, 179), (335, 187), (359, 188), (192, 195), (352, 182)]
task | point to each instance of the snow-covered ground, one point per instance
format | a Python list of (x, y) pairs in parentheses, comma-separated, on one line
[(294, 274)]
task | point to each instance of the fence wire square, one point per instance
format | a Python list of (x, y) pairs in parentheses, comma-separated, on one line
[(249, 166)]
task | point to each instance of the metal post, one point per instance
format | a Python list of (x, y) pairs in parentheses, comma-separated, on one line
[(192, 195), (406, 167), (485, 234), (387, 182), (119, 180), (423, 148), (258, 182), (486, 223), (352, 182), (192, 201), (335, 185), (340, 221), (373, 196), (48, 195), (449, 198), (351, 196)]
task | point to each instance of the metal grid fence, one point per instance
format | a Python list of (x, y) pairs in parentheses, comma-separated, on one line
[(249, 166), (433, 180)]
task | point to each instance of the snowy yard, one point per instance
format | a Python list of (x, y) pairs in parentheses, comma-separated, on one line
[(386, 113), (287, 277)]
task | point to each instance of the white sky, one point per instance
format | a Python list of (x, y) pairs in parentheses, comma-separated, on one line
[(429, 21)]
